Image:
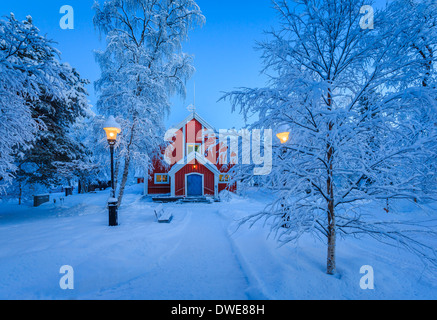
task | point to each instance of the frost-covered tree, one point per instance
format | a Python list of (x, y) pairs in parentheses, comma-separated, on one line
[(54, 149), (142, 67), (40, 99), (361, 109), (26, 63)]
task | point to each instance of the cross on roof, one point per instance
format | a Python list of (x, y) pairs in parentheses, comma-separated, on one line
[(191, 108)]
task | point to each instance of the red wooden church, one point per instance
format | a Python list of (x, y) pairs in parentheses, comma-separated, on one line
[(194, 171)]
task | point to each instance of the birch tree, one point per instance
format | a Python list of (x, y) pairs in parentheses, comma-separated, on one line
[(142, 67), (361, 109)]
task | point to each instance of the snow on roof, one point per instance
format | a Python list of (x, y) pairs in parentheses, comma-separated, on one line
[(194, 116)]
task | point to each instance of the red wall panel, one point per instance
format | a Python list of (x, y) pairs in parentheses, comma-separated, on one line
[(153, 188), (208, 178)]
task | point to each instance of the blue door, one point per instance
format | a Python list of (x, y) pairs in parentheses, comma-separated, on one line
[(194, 185)]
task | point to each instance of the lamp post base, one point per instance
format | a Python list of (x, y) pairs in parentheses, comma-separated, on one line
[(113, 213)]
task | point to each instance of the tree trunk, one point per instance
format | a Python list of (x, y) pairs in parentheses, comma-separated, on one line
[(124, 179), (117, 169), (330, 265), (330, 268), (126, 166), (20, 195), (83, 185)]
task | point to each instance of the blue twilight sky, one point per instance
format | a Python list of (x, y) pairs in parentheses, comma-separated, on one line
[(223, 49)]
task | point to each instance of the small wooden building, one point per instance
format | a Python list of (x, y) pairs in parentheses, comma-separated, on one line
[(195, 170)]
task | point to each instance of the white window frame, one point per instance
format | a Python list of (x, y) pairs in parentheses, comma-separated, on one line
[(194, 144), (162, 174)]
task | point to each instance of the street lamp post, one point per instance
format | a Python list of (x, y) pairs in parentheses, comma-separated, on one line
[(111, 148), (112, 128)]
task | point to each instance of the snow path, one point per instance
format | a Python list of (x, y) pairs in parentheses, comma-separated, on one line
[(202, 265)]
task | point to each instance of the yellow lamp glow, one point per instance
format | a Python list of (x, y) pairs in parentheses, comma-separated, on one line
[(283, 136), (112, 128), (111, 133)]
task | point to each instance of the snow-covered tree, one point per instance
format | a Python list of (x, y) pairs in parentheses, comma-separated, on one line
[(26, 63), (361, 109), (54, 149), (40, 99), (142, 67)]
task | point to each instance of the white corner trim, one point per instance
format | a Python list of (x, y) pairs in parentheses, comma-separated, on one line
[(172, 185)]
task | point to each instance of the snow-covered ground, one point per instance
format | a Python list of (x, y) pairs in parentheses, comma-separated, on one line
[(201, 254)]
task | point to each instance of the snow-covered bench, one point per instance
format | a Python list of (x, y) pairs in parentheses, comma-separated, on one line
[(39, 199), (163, 216)]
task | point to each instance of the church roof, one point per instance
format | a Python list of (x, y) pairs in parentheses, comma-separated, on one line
[(194, 116)]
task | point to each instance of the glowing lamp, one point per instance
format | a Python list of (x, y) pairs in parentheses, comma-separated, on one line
[(283, 136), (112, 128)]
